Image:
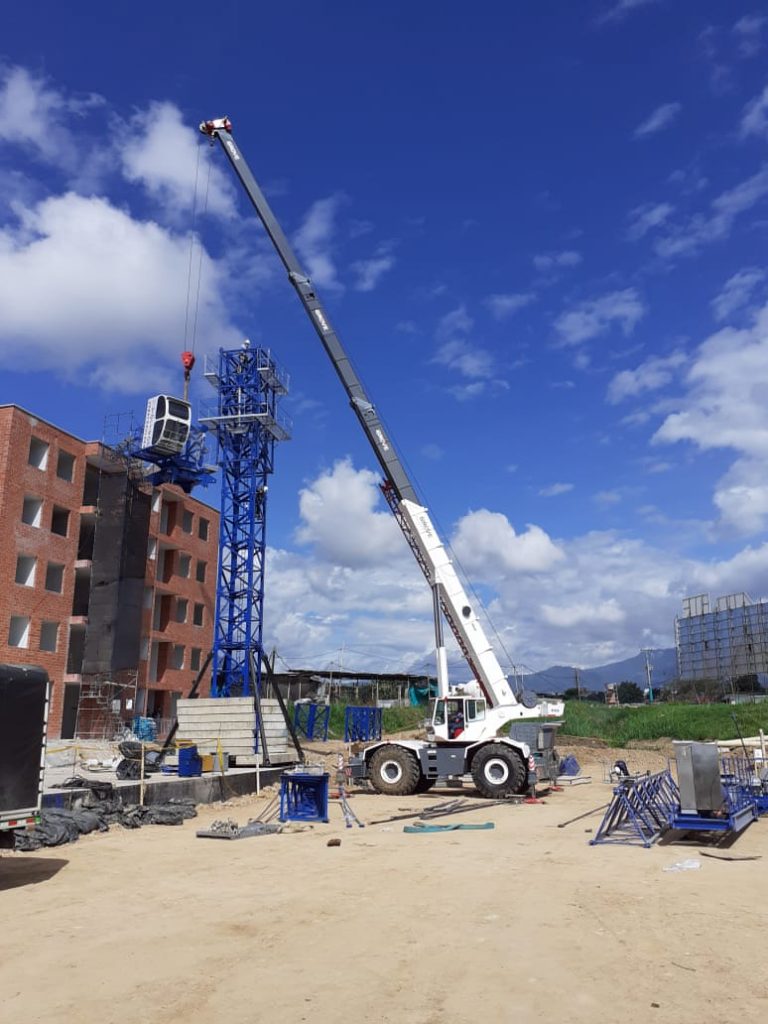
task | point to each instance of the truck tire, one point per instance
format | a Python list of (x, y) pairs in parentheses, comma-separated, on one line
[(498, 771), (424, 784), (394, 770)]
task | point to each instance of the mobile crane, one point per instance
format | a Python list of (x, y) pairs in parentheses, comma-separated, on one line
[(465, 720)]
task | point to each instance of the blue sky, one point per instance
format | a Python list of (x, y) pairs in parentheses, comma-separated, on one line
[(540, 230)]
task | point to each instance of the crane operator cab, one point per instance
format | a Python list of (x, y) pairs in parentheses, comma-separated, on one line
[(167, 425), (454, 717)]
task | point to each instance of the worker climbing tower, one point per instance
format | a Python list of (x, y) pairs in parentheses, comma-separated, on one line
[(247, 423)]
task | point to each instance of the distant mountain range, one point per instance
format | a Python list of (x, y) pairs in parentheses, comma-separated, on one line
[(562, 677)]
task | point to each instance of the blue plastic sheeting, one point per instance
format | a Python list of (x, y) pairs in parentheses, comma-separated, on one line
[(144, 729), (569, 765), (362, 724)]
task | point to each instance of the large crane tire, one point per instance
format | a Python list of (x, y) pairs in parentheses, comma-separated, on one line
[(498, 771), (424, 784), (394, 770)]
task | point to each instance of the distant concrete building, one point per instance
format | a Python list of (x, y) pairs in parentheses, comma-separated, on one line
[(724, 643), (105, 582)]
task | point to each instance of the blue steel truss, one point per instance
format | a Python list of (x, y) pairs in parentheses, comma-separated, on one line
[(247, 424)]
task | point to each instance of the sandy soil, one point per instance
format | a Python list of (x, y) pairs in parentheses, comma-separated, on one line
[(526, 922)]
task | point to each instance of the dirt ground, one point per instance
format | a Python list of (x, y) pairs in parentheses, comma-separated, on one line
[(525, 922)]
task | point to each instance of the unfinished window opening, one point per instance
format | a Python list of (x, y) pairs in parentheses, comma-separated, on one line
[(38, 453), (91, 486), (25, 570), (184, 564), (152, 549), (60, 521), (177, 656), (197, 618), (186, 521), (200, 572), (203, 525), (194, 659), (32, 512), (86, 539), (65, 467), (54, 577), (157, 500), (181, 609), (49, 636), (18, 631)]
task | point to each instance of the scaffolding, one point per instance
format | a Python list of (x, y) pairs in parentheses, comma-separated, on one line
[(105, 706), (724, 644), (247, 424)]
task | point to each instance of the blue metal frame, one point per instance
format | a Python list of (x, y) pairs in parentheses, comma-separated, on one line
[(303, 796), (311, 720), (247, 424), (639, 811), (361, 724)]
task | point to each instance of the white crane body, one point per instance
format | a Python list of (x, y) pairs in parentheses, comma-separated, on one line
[(466, 718)]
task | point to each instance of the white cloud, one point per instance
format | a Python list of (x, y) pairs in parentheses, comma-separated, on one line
[(168, 158), (458, 321), (703, 229), (468, 360), (553, 490), (569, 615), (432, 451), (724, 407), (504, 305), (651, 375), (597, 316), (754, 120), (750, 33), (488, 546), (458, 353), (557, 260), (607, 497), (592, 599), (87, 290), (314, 242), (737, 291), (34, 114), (647, 217), (369, 272), (621, 10), (339, 518), (661, 118)]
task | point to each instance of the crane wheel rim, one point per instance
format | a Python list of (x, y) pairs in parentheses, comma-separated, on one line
[(391, 771), (496, 770)]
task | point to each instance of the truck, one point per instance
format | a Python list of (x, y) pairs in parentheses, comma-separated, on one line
[(463, 736), (24, 701)]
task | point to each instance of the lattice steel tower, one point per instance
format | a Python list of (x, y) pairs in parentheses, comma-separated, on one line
[(247, 424)]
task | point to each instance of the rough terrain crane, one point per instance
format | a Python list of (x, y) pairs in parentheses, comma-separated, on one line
[(465, 719)]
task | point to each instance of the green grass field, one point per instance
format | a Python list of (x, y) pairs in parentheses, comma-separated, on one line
[(619, 725)]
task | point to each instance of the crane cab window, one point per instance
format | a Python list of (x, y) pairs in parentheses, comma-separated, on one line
[(438, 715), (475, 710)]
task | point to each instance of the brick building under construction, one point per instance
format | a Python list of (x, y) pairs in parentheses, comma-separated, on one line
[(105, 582)]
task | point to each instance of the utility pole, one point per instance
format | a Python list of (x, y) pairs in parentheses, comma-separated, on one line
[(577, 680), (648, 652)]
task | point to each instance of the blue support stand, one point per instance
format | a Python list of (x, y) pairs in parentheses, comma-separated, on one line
[(361, 724), (247, 424), (639, 811)]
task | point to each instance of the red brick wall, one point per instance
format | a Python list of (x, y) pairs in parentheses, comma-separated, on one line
[(18, 480)]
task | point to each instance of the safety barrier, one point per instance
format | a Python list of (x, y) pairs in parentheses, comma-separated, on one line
[(311, 720), (361, 724)]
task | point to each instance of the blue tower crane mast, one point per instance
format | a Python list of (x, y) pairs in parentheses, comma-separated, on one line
[(247, 424)]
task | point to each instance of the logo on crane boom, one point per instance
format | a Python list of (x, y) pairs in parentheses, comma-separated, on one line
[(321, 319)]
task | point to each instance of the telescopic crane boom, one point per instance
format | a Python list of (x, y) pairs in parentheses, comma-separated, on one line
[(448, 592)]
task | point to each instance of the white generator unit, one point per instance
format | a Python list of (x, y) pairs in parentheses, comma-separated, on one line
[(167, 424)]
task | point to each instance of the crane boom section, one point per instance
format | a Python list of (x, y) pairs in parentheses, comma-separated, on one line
[(361, 404), (411, 515)]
